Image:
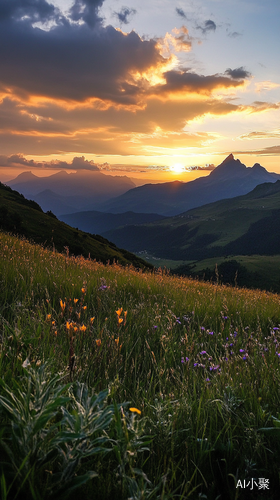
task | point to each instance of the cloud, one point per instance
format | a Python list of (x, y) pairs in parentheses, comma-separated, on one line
[(179, 40), (74, 61), (234, 34), (207, 26), (185, 80), (261, 135), (86, 11), (27, 11), (124, 14), (272, 150), (238, 73), (180, 12), (18, 160)]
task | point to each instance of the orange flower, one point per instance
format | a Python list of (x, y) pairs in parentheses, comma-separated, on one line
[(62, 305), (75, 301), (120, 320), (117, 340), (83, 290), (98, 342), (119, 311), (83, 328), (49, 316), (92, 320), (84, 308), (68, 325), (135, 410)]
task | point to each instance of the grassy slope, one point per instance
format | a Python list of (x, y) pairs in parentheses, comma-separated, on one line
[(203, 414), (209, 229), (26, 218)]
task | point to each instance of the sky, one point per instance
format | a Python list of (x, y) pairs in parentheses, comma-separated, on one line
[(144, 88)]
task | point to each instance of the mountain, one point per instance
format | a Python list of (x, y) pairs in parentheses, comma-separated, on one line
[(231, 178), (244, 225), (26, 218), (99, 222), (81, 190)]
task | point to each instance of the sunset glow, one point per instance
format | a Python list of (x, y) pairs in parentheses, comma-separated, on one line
[(139, 86)]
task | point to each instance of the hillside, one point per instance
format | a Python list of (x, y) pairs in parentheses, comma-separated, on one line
[(26, 218), (243, 225), (93, 221), (120, 384)]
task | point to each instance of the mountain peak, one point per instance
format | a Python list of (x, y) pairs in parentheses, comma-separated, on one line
[(228, 158)]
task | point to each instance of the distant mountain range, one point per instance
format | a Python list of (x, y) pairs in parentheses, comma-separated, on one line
[(99, 222), (26, 218), (231, 178), (66, 193), (244, 225)]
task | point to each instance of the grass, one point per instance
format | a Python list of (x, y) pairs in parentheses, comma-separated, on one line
[(119, 383)]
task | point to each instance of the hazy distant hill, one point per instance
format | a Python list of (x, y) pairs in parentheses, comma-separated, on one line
[(99, 222), (244, 225), (26, 218), (66, 193), (231, 178)]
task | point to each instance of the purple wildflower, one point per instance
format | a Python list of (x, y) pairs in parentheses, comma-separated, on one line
[(195, 364), (210, 333), (202, 352), (241, 350), (103, 287), (178, 321)]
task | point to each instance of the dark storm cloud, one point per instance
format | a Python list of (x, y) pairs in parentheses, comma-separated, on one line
[(180, 12), (177, 81), (86, 10), (207, 26), (27, 10), (238, 73), (18, 160), (71, 61), (124, 14)]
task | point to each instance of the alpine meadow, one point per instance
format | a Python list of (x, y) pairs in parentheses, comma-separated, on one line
[(123, 383)]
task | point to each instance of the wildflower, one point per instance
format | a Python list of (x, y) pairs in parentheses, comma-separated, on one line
[(155, 327), (83, 290), (84, 308), (92, 320), (184, 360), (202, 352), (75, 301), (245, 357), (195, 364), (68, 325), (135, 410), (241, 350), (98, 342), (210, 333), (119, 311), (178, 321), (83, 328), (202, 328), (49, 316), (62, 305), (120, 320), (103, 287), (117, 340)]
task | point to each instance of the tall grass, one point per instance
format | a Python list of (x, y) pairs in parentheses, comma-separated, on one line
[(199, 361)]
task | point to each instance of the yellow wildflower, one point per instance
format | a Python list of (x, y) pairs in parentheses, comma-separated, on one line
[(135, 410), (83, 328), (120, 320)]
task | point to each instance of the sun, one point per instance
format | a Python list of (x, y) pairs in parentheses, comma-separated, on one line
[(177, 168)]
